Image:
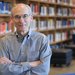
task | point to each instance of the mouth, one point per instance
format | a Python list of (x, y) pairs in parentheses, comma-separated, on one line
[(22, 25)]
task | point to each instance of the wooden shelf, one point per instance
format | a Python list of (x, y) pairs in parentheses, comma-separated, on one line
[(43, 2), (4, 15), (65, 28), (65, 17), (53, 43), (34, 1), (7, 0), (47, 16), (43, 16), (65, 5), (57, 29), (46, 30)]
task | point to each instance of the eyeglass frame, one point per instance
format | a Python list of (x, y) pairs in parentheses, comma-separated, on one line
[(25, 16)]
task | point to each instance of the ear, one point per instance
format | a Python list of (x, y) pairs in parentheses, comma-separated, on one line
[(31, 18)]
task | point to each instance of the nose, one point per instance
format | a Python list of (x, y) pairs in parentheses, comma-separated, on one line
[(22, 20)]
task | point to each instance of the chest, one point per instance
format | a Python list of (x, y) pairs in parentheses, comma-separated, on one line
[(27, 51)]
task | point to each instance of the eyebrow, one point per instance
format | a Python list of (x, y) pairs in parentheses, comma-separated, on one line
[(22, 15)]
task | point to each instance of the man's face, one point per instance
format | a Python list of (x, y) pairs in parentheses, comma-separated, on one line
[(22, 19)]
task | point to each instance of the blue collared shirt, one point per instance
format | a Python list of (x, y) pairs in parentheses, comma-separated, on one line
[(34, 47)]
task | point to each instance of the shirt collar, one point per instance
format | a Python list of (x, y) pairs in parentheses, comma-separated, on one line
[(27, 35)]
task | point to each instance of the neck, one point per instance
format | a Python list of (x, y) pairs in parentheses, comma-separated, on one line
[(22, 33)]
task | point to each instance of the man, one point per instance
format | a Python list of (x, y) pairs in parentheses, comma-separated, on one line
[(24, 52)]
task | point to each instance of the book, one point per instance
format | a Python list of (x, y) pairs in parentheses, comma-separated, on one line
[(34, 8), (43, 10), (51, 11), (51, 24)]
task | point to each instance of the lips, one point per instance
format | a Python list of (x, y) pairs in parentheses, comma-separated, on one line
[(21, 25)]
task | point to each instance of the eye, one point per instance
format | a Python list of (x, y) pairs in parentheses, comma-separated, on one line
[(25, 15), (17, 17)]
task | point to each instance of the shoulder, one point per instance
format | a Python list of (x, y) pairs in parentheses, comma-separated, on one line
[(38, 35), (8, 36)]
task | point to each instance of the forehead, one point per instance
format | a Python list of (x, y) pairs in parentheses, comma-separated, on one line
[(20, 10)]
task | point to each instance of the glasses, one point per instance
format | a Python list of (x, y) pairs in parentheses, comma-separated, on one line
[(25, 16)]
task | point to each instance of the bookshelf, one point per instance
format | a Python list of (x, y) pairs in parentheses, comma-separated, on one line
[(55, 18), (5, 7)]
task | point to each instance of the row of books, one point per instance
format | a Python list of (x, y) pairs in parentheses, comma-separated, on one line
[(65, 23), (64, 12), (5, 7), (49, 24), (42, 25), (5, 27), (64, 1), (44, 10), (58, 36), (59, 45), (35, 8)]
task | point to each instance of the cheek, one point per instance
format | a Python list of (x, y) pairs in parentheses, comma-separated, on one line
[(29, 21), (22, 27), (15, 21)]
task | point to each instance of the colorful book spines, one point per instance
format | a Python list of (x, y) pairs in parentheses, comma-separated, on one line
[(5, 7), (35, 9), (5, 27)]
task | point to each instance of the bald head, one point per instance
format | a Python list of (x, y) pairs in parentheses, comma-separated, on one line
[(21, 8)]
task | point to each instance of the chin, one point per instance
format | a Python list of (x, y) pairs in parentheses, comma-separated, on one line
[(24, 31)]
